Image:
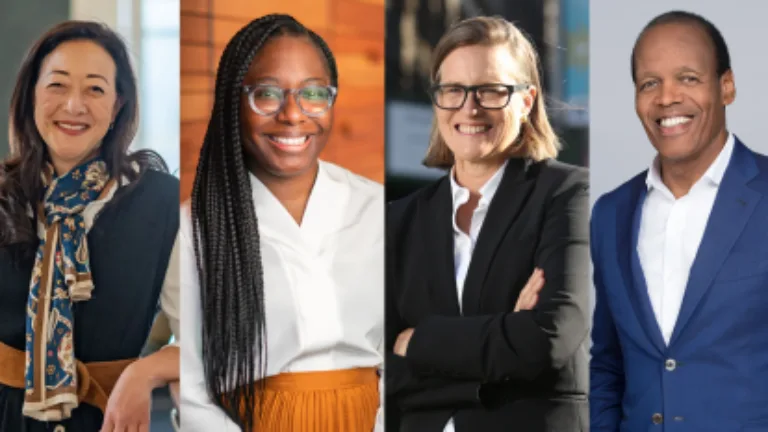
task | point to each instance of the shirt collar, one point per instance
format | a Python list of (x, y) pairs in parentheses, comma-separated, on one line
[(460, 194), (327, 203), (714, 173)]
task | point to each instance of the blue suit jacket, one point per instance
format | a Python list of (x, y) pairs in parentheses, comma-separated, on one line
[(713, 376)]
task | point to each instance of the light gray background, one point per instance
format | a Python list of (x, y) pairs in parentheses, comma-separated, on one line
[(618, 146)]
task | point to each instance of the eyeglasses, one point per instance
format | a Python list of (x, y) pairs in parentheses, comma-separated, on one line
[(268, 99), (488, 96)]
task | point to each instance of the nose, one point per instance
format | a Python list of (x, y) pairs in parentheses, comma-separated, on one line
[(75, 104), (470, 103), (669, 93), (290, 113)]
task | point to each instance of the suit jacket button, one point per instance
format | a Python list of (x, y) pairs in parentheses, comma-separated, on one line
[(657, 418), (670, 364)]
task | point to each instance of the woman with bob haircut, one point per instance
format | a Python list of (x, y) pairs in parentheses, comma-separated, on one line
[(488, 267)]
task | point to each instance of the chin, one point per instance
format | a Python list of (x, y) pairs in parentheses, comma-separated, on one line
[(71, 157), (290, 170), (676, 153)]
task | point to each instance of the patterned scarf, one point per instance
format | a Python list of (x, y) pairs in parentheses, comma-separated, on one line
[(61, 276)]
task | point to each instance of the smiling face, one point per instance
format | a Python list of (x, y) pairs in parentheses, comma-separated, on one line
[(286, 144), (472, 133), (679, 97), (75, 101)]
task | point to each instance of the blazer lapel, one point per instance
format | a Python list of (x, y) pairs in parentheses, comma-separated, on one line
[(506, 205), (628, 217), (733, 207), (438, 227)]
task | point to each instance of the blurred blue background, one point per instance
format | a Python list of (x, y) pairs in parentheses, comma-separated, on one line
[(559, 30)]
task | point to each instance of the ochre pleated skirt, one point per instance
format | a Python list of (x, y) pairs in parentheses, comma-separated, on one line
[(332, 401)]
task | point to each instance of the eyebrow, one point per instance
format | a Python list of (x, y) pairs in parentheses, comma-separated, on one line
[(494, 81), (65, 73), (688, 69), (654, 74), (275, 80)]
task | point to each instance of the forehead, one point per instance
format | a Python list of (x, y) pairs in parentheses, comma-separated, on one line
[(79, 58), (476, 64), (674, 46), (289, 59)]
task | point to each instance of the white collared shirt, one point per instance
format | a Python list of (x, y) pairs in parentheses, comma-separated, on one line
[(463, 243), (323, 287), (670, 234)]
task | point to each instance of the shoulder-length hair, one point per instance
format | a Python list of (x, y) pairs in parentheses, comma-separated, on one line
[(20, 180), (537, 139)]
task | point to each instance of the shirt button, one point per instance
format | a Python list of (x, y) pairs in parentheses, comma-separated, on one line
[(59, 428), (670, 364), (657, 418)]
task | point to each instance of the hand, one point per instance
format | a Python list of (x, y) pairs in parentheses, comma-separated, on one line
[(529, 296), (130, 403), (401, 344)]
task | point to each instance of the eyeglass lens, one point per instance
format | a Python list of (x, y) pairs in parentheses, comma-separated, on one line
[(454, 96), (312, 100)]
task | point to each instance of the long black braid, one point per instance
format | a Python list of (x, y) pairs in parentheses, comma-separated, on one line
[(226, 236)]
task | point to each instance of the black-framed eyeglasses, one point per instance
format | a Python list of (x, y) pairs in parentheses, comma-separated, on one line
[(488, 96), (269, 99)]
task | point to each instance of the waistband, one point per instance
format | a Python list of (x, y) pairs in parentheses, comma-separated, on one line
[(322, 380), (95, 379)]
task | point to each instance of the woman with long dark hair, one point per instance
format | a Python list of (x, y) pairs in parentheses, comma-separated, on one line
[(87, 231), (282, 253)]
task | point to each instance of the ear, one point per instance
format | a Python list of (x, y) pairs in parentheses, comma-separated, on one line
[(728, 87), (116, 110), (529, 97)]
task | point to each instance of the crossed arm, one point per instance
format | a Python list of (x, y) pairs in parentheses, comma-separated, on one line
[(444, 361)]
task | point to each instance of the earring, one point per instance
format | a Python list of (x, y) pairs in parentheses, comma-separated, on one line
[(111, 125)]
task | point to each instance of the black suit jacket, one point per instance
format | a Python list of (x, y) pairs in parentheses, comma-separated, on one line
[(489, 368)]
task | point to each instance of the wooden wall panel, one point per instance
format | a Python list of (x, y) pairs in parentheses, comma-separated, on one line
[(194, 6), (197, 78), (354, 29)]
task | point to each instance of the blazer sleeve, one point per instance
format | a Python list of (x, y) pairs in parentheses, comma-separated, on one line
[(406, 389), (519, 346), (607, 364)]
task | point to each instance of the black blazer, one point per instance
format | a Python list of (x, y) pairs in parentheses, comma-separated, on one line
[(491, 369)]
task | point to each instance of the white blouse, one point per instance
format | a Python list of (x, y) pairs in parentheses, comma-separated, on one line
[(464, 243), (323, 287)]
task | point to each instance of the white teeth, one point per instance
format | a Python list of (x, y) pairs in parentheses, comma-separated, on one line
[(674, 121), (471, 130), (291, 141), (72, 127)]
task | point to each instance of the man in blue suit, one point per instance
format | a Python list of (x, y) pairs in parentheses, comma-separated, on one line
[(680, 252)]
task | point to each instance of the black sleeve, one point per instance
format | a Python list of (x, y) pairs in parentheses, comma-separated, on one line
[(405, 388)]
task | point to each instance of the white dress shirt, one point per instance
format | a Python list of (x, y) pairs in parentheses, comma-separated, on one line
[(463, 243), (670, 233), (323, 287)]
